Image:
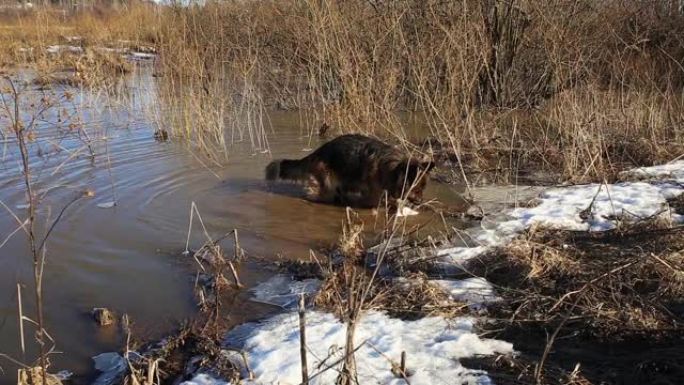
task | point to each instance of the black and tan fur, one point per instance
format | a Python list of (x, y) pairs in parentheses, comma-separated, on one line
[(355, 170)]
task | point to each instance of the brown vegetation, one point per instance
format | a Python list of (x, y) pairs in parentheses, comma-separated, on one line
[(570, 298), (579, 87), (614, 284)]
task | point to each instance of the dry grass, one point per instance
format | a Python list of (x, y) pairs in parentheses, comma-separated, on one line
[(677, 204), (558, 98), (26, 33), (83, 50), (410, 296), (176, 357), (588, 308), (414, 297), (577, 88), (92, 69), (520, 370), (613, 285)]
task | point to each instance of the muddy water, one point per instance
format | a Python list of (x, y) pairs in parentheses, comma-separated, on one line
[(127, 257)]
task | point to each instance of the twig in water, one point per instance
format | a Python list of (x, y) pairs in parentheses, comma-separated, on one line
[(21, 320), (238, 255)]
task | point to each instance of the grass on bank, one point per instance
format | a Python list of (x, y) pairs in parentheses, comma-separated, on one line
[(575, 88)]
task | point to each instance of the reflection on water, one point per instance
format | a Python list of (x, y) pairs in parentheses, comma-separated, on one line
[(127, 257)]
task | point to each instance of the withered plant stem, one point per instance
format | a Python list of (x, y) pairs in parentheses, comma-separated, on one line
[(302, 340), (19, 128)]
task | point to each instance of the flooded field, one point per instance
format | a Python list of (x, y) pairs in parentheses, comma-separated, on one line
[(129, 257)]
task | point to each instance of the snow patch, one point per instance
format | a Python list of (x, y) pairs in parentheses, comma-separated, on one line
[(106, 205), (55, 49), (433, 347), (204, 379), (560, 208), (475, 291), (140, 56), (673, 170), (591, 207), (64, 375)]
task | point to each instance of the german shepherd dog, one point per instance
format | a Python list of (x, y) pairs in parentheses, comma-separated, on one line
[(355, 170)]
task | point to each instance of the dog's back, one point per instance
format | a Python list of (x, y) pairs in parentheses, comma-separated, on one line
[(353, 170)]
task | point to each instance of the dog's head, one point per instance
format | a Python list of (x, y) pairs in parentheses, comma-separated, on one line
[(411, 177)]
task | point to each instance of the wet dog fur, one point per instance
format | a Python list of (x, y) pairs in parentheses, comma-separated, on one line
[(357, 171)]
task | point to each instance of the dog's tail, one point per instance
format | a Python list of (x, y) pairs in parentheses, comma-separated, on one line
[(295, 170)]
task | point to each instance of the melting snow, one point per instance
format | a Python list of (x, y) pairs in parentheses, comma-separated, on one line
[(433, 347), (106, 205), (142, 56), (205, 379), (112, 367), (560, 208), (476, 291), (672, 170), (566, 208), (55, 49)]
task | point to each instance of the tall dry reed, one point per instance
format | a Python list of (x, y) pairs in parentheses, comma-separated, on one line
[(575, 87)]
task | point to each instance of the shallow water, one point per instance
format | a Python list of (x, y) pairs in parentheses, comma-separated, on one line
[(127, 257)]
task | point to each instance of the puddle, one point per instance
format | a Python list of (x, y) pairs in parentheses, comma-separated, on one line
[(121, 248)]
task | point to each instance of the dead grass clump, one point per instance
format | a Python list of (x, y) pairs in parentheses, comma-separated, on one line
[(414, 297), (91, 69), (34, 376), (96, 68), (538, 260), (301, 270), (410, 259), (612, 285), (180, 356), (347, 280), (56, 79), (520, 369), (341, 285), (351, 239), (410, 297)]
